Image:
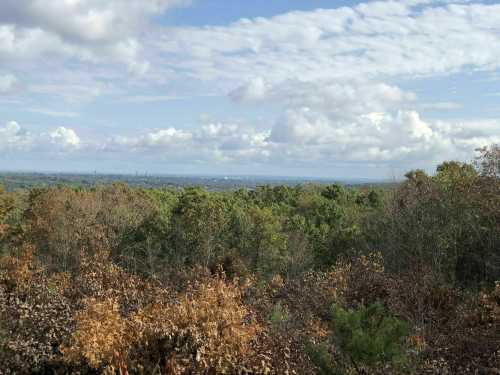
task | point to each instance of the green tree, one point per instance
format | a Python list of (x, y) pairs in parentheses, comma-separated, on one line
[(368, 338), (263, 245), (199, 223)]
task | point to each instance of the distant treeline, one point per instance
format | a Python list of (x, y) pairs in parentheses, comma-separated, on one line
[(299, 279), (24, 180)]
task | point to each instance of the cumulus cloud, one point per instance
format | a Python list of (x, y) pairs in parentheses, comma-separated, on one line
[(333, 77), (302, 137), (312, 139), (13, 137), (64, 137), (340, 97), (217, 142), (89, 30), (83, 20), (330, 69), (399, 137)]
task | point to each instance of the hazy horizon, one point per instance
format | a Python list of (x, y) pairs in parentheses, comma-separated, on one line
[(145, 174)]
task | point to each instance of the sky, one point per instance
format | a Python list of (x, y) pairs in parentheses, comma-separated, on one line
[(338, 89)]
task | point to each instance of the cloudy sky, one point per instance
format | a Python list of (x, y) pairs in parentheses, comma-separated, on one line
[(273, 87)]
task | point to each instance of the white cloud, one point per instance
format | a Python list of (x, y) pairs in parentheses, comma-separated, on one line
[(303, 127), (84, 20), (151, 98), (52, 113), (373, 39), (400, 137), (89, 30), (334, 75), (161, 138), (440, 106), (255, 89), (303, 137), (216, 142), (14, 138), (64, 137), (165, 137), (72, 93), (7, 83), (313, 139), (340, 97)]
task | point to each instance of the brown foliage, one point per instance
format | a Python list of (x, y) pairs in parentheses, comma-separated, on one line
[(6, 205), (34, 316), (207, 329), (102, 336), (64, 222), (107, 319), (455, 332)]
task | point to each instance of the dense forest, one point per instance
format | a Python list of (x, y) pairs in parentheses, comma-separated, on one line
[(309, 279)]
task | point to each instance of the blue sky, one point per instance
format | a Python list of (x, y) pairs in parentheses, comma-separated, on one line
[(219, 12), (315, 88)]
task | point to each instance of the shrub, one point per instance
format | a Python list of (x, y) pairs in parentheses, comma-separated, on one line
[(279, 315), (322, 359), (205, 330), (35, 316), (368, 336)]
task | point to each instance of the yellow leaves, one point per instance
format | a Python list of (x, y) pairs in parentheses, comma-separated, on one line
[(373, 262), (207, 329), (101, 336), (59, 282), (21, 271), (211, 319), (417, 341), (277, 282)]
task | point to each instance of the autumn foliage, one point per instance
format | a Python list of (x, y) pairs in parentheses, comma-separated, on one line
[(275, 280)]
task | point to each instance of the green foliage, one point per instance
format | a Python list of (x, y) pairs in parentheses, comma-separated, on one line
[(279, 315), (447, 222), (322, 359), (369, 336), (290, 252), (199, 221), (333, 192)]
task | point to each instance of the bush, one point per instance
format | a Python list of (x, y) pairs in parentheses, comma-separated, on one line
[(368, 336), (206, 330), (35, 316)]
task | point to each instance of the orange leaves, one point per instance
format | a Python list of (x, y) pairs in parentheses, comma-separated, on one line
[(209, 327), (20, 272), (206, 329), (102, 337), (64, 222), (6, 205)]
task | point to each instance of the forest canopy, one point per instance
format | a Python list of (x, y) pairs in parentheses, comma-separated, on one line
[(305, 279)]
